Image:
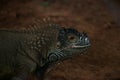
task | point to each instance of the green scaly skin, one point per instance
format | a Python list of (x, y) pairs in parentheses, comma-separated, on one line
[(34, 50)]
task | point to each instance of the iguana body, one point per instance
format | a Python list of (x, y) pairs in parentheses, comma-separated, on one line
[(32, 50)]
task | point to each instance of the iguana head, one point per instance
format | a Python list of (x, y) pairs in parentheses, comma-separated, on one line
[(70, 42)]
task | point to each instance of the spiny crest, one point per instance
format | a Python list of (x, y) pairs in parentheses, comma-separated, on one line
[(40, 24), (37, 25)]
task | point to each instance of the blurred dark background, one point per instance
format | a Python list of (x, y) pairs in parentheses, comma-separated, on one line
[(99, 18)]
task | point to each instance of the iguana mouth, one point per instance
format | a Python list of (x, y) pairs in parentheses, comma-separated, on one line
[(74, 46), (77, 46)]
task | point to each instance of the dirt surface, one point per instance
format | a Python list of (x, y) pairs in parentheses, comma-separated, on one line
[(96, 17)]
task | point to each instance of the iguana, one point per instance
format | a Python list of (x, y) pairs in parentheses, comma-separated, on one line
[(35, 49)]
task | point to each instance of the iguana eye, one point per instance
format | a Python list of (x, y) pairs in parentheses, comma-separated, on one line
[(72, 38)]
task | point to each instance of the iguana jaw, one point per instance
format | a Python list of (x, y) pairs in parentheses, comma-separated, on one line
[(84, 43), (84, 46)]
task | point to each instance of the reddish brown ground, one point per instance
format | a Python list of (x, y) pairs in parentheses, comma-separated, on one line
[(102, 61)]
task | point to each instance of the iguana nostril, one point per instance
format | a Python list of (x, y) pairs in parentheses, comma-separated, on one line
[(87, 41), (84, 40)]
